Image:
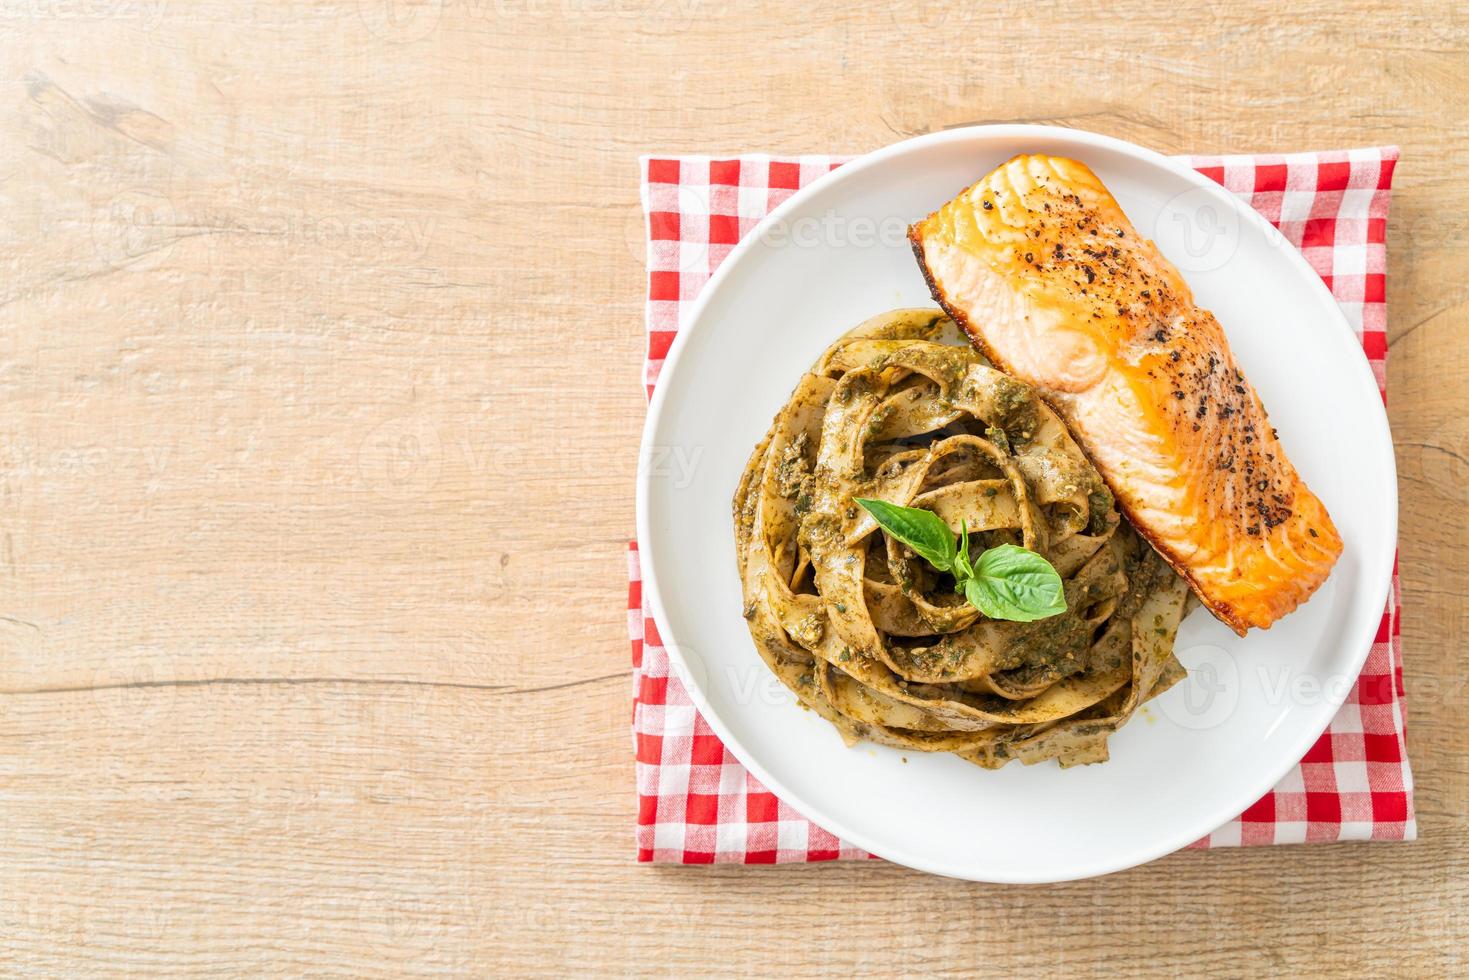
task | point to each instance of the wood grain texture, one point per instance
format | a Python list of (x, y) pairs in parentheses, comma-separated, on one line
[(319, 350)]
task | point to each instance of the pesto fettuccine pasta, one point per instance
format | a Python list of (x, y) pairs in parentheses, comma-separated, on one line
[(872, 637)]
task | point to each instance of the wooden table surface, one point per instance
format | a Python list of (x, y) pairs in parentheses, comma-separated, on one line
[(319, 348)]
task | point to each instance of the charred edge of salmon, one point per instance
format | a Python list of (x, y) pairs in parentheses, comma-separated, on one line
[(1221, 611), (955, 314)]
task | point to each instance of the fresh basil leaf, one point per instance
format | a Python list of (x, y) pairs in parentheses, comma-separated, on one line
[(919, 529), (963, 570), (1015, 584)]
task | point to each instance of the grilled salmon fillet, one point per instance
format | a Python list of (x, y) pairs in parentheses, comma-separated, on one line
[(1053, 284)]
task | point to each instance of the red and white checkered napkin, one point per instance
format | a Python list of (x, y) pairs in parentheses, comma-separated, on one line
[(698, 805)]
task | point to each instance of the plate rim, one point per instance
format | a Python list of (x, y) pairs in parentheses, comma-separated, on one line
[(1373, 564)]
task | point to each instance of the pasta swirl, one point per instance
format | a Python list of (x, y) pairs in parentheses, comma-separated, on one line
[(875, 640)]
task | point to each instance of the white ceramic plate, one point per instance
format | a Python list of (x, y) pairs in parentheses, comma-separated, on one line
[(833, 255)]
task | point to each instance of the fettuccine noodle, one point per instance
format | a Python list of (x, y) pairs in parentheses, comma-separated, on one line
[(869, 635)]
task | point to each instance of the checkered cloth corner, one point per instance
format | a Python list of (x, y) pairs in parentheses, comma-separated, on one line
[(698, 805)]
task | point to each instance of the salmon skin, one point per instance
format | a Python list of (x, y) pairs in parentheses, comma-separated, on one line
[(1053, 284)]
